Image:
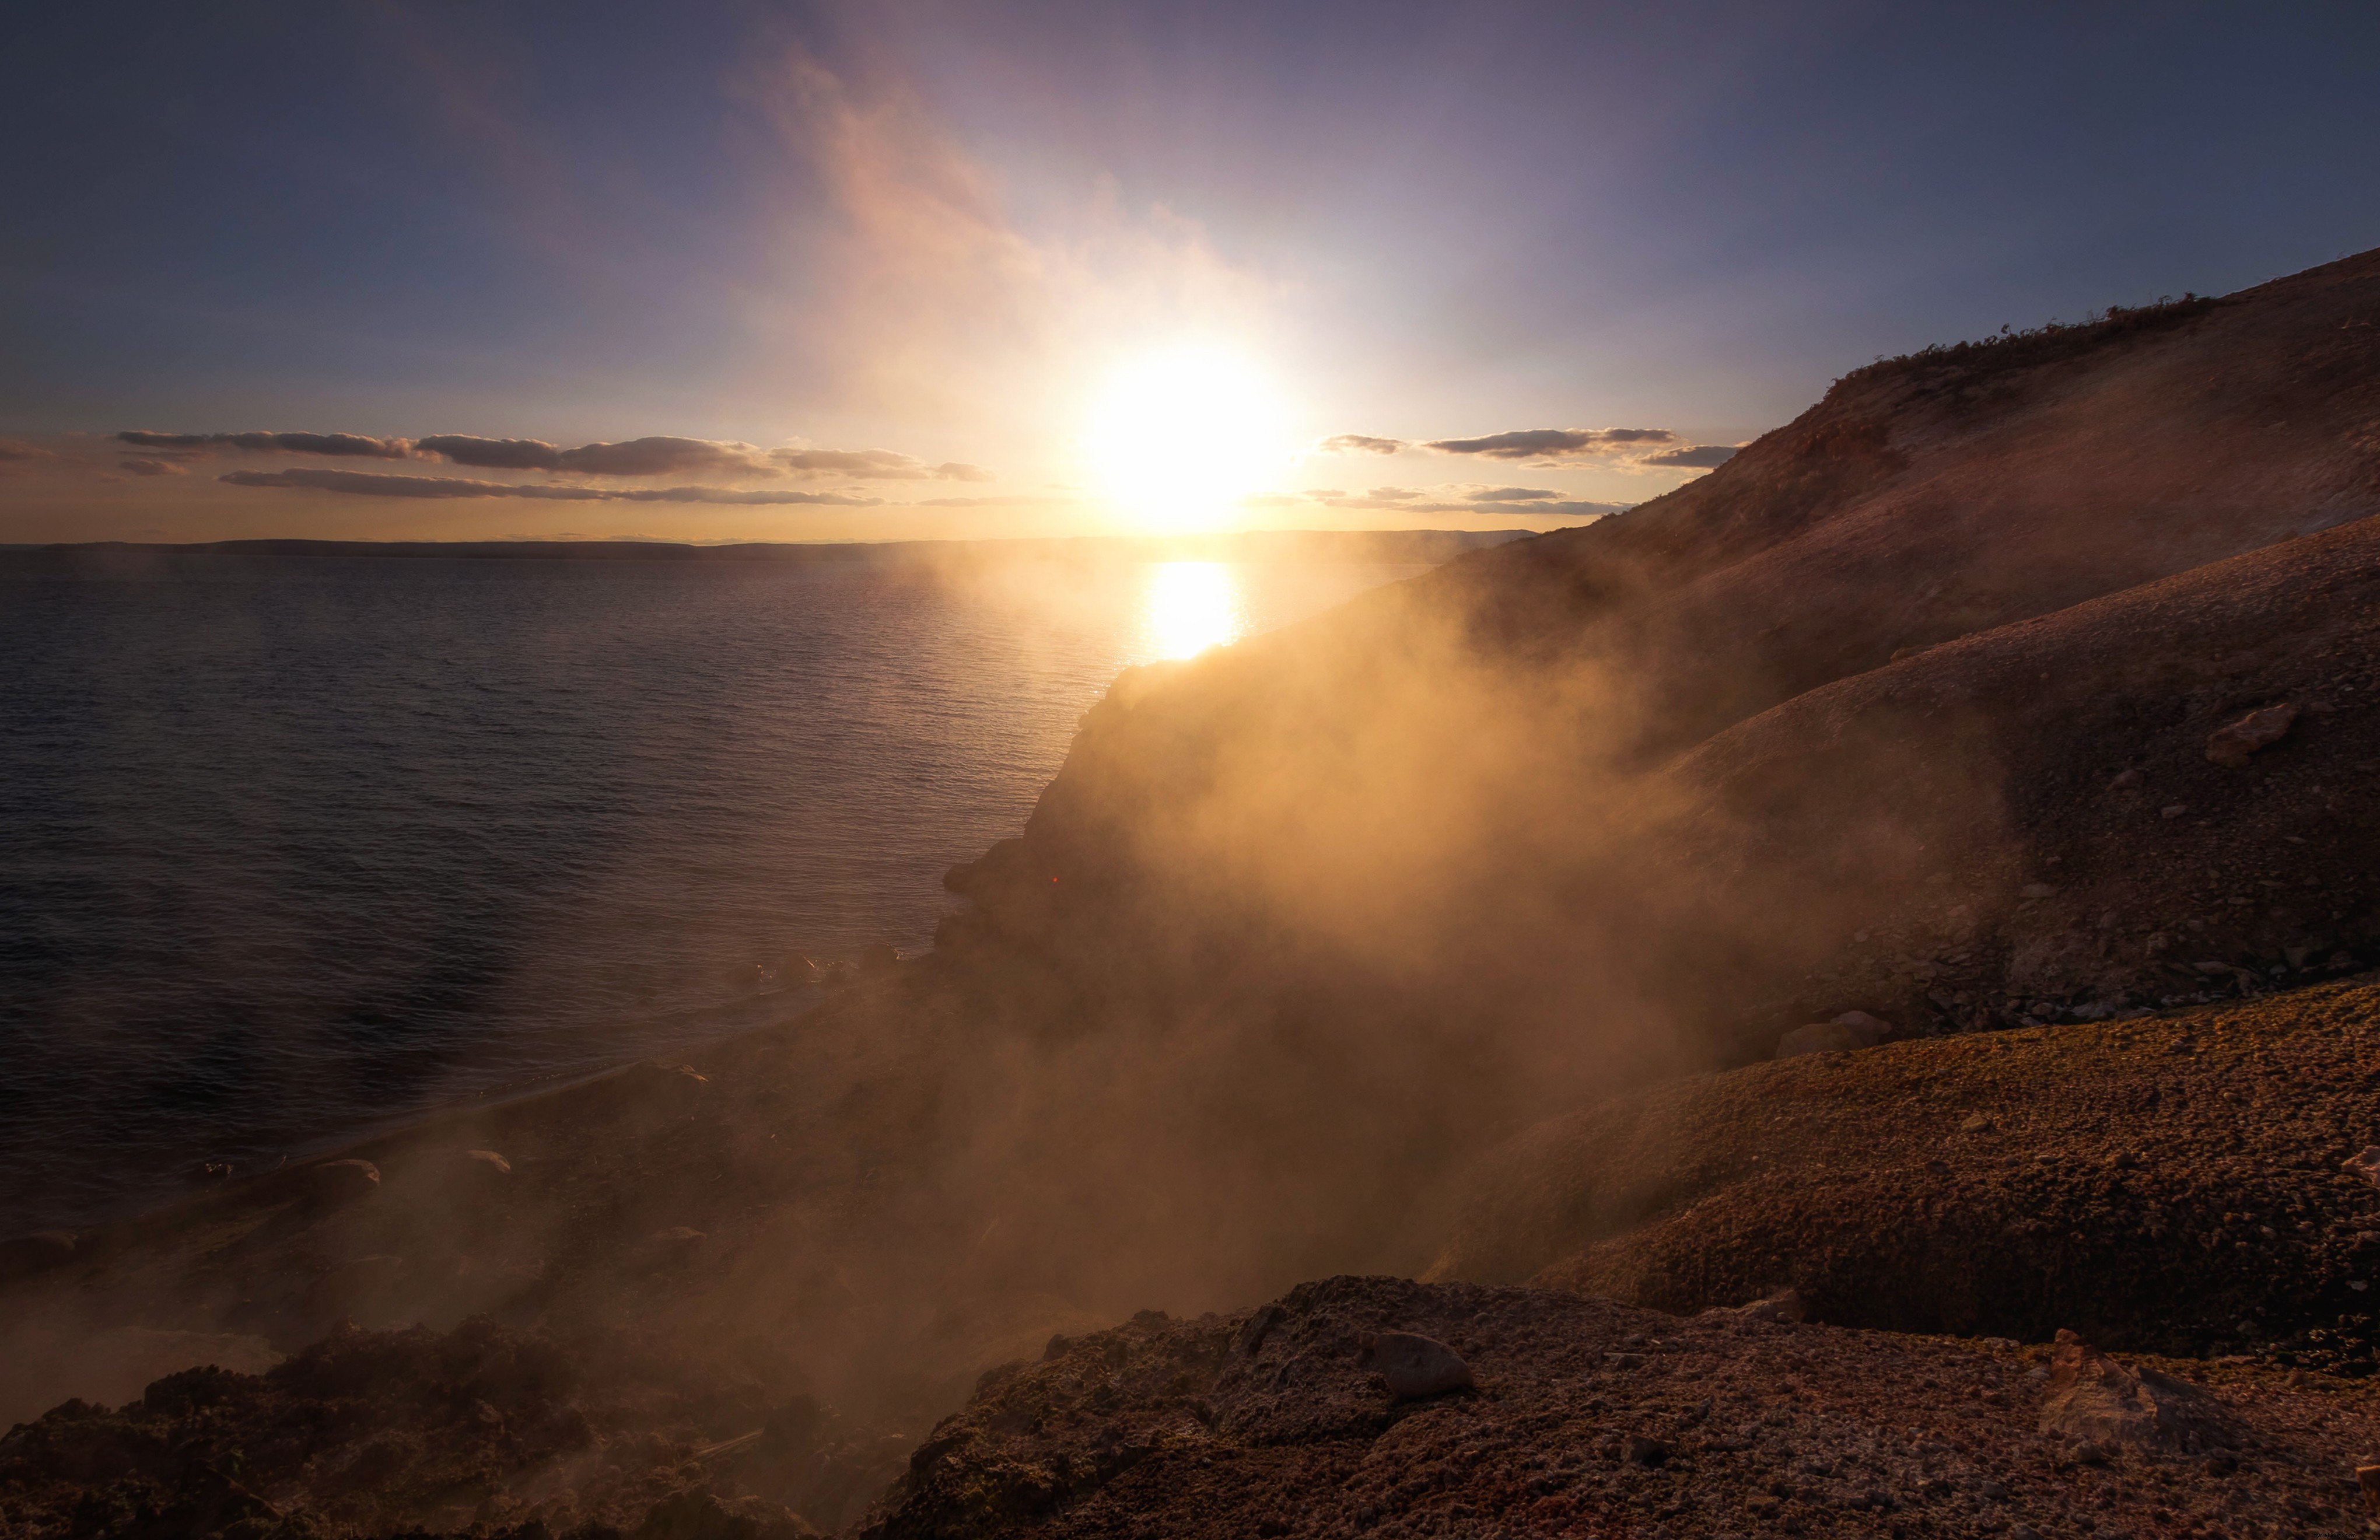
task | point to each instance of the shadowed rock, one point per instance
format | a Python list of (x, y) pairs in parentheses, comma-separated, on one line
[(2231, 745), (1414, 1367), (2094, 1398)]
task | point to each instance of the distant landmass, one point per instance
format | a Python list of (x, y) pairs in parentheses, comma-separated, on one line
[(1393, 546)]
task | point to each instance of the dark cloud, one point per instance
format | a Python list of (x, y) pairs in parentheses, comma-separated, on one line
[(141, 465), (1537, 444), (874, 465), (464, 448), (1473, 498), (1515, 494), (353, 444), (1700, 456), (18, 451), (1360, 443), (661, 455), (367, 484), (655, 455)]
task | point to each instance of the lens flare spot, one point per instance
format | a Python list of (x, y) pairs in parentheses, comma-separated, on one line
[(1192, 606)]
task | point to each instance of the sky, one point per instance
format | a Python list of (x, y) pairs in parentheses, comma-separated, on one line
[(889, 270)]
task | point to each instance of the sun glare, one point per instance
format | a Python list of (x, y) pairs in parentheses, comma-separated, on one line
[(1178, 436), (1192, 606)]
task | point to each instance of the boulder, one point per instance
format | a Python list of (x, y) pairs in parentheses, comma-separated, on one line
[(2096, 1401), (2231, 745), (41, 1250), (343, 1181), (2366, 1165), (1414, 1367)]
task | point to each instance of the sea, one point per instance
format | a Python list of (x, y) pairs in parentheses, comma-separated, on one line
[(297, 847)]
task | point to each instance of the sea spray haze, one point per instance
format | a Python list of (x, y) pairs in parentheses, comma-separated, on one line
[(296, 845)]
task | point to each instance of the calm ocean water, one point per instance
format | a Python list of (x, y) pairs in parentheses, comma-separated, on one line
[(291, 847)]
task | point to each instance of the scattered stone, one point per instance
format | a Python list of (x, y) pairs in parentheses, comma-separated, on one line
[(1637, 1450), (2173, 809), (2366, 1165), (2231, 745), (344, 1181), (2367, 1481), (2036, 890), (41, 1250), (2094, 1398), (1785, 1305), (2126, 781), (1414, 1367), (211, 1171), (1975, 1123), (486, 1163)]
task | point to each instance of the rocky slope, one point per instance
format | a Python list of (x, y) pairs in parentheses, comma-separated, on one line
[(1592, 1418), (2176, 1184)]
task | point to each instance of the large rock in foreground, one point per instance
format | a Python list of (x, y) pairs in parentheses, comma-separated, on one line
[(1588, 1418)]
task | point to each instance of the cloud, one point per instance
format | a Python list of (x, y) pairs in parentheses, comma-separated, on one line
[(1555, 444), (18, 451), (655, 455), (140, 464), (1471, 498), (1020, 501), (367, 484), (1699, 456), (875, 464), (1515, 494), (464, 448), (1360, 443), (354, 444)]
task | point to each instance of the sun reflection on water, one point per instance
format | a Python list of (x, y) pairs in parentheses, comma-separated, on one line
[(1191, 606)]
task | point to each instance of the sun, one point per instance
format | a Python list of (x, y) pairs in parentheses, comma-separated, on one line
[(1177, 436)]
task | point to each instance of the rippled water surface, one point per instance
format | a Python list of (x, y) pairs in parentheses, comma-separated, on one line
[(292, 846)]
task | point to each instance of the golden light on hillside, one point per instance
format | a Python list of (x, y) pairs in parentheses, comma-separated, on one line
[(1191, 607), (1175, 438)]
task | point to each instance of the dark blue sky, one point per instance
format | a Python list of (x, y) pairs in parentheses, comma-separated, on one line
[(923, 226)]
